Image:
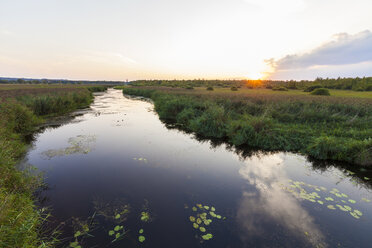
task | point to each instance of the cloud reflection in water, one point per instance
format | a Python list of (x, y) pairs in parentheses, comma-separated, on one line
[(271, 204)]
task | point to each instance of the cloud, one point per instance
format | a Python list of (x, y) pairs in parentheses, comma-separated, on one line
[(347, 52)]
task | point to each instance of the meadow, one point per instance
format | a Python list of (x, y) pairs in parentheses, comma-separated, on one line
[(22, 109), (336, 127)]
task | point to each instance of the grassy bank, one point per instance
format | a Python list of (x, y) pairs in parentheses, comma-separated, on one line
[(323, 127), (22, 109)]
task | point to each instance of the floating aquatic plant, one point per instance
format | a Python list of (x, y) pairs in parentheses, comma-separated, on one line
[(207, 236), (203, 218), (297, 188), (141, 238), (145, 216), (144, 160), (81, 144)]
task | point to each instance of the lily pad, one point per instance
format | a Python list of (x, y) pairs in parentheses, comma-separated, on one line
[(192, 218), (140, 231), (196, 226), (117, 228), (358, 212), (202, 229), (111, 232), (207, 236), (145, 217), (141, 239), (331, 207), (354, 215)]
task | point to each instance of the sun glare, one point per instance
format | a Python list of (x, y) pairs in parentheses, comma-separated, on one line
[(255, 76)]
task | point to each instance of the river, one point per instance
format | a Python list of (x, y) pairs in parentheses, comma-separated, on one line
[(116, 176)]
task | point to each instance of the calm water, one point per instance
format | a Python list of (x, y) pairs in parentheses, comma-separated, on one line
[(117, 164)]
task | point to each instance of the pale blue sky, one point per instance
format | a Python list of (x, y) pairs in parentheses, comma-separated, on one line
[(135, 39)]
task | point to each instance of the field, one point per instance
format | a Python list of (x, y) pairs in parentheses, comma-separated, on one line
[(336, 127), (22, 109)]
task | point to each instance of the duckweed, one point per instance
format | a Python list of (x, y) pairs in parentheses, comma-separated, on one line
[(141, 239)]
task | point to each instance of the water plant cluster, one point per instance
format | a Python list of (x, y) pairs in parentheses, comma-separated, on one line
[(80, 144), (203, 217), (22, 109), (144, 160), (332, 199), (322, 127)]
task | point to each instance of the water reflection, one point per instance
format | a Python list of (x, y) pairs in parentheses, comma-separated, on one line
[(270, 203)]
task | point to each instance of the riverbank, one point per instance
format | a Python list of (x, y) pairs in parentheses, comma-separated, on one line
[(22, 109), (323, 127)]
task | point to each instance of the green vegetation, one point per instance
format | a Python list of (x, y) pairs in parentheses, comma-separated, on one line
[(210, 88), (321, 92), (355, 84), (21, 110), (280, 88), (335, 128)]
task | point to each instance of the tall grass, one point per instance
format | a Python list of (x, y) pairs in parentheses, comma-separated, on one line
[(20, 220), (322, 128)]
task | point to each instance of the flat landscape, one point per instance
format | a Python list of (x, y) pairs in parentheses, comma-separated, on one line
[(188, 124)]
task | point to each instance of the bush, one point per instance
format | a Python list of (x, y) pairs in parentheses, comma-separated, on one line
[(280, 88), (312, 87), (189, 88), (240, 132), (210, 88), (321, 92), (234, 88), (211, 124)]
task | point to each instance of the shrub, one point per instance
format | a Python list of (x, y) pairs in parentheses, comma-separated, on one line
[(321, 92), (312, 87), (189, 88), (240, 132), (234, 88), (210, 88), (280, 88), (212, 123)]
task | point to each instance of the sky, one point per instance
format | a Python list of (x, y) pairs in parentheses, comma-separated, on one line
[(185, 39)]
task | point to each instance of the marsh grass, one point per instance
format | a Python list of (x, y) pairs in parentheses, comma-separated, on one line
[(325, 128), (22, 109)]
